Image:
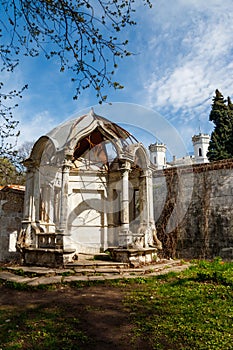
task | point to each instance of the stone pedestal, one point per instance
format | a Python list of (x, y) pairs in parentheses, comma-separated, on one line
[(125, 239), (46, 257), (134, 257)]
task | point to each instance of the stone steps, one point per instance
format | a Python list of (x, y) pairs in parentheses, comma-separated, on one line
[(34, 276), (96, 264), (100, 260)]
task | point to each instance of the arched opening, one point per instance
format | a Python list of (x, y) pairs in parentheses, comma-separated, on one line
[(43, 151), (140, 158), (94, 149), (200, 152)]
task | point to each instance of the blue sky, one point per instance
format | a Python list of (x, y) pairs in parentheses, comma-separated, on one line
[(183, 52)]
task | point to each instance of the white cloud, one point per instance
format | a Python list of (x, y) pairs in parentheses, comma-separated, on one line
[(200, 49), (184, 53), (37, 126)]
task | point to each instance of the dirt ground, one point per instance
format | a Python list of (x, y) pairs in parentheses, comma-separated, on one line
[(100, 309)]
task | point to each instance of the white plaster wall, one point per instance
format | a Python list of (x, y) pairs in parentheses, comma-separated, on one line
[(87, 220)]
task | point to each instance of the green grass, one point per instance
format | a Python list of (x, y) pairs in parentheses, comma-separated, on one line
[(193, 310), (41, 328)]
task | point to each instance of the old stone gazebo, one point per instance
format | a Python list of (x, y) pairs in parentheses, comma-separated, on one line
[(88, 189)]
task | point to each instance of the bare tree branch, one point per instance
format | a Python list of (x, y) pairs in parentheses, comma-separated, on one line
[(82, 34), (8, 126)]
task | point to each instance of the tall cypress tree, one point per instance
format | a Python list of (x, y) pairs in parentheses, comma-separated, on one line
[(230, 117), (221, 138)]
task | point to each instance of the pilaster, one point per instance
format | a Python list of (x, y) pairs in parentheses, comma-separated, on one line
[(36, 195), (64, 195), (147, 212), (125, 236)]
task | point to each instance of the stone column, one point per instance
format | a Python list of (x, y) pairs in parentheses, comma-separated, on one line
[(36, 195), (24, 238), (144, 218), (28, 194), (147, 213), (152, 236), (125, 236), (110, 215), (51, 203), (110, 206), (150, 197), (64, 196)]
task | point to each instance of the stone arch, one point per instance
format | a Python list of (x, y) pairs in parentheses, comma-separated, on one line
[(42, 146), (140, 156)]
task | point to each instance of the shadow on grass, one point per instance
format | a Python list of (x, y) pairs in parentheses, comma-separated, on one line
[(43, 327)]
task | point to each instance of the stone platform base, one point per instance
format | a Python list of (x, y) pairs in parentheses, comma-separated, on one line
[(135, 257), (46, 257)]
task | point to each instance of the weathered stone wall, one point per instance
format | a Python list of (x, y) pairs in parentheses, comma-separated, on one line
[(11, 211), (194, 210)]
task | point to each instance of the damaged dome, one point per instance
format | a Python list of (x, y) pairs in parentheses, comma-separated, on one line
[(89, 139)]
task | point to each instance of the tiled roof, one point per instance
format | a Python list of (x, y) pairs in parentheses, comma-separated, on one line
[(13, 187)]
